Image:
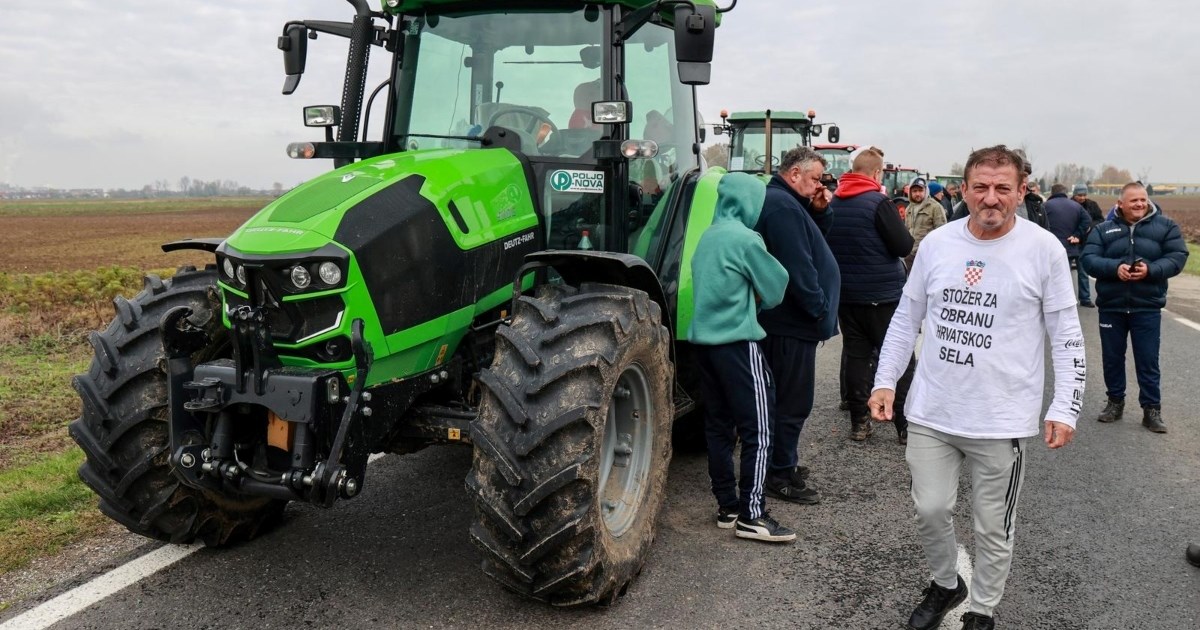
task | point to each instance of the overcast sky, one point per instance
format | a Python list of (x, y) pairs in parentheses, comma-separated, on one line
[(122, 93)]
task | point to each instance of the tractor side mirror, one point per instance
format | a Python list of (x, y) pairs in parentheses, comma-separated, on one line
[(294, 44), (835, 134), (694, 29), (703, 134), (816, 130)]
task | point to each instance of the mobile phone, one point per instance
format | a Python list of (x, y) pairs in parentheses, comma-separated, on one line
[(1137, 261)]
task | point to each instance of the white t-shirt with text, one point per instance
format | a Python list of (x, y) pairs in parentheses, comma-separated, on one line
[(982, 305)]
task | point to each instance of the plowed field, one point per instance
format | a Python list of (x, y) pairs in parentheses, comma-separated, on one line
[(57, 239)]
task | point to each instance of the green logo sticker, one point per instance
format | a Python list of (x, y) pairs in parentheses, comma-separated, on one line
[(577, 181)]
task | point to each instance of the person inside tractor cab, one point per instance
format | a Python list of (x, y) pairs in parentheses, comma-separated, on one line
[(657, 172), (585, 94)]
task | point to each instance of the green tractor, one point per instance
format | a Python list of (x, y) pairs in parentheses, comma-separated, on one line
[(504, 264), (755, 135)]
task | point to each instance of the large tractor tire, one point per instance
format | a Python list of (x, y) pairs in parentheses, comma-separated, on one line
[(572, 444), (123, 428)]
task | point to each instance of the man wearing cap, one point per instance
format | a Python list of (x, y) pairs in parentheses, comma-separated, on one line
[(1069, 222), (1080, 195), (923, 216), (937, 192)]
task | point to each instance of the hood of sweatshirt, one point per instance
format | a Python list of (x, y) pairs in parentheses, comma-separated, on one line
[(854, 184), (740, 198)]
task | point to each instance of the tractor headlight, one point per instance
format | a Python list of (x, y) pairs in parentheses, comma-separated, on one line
[(228, 266), (300, 277), (330, 273), (241, 274)]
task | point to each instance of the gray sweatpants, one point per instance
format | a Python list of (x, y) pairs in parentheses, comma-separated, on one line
[(935, 459)]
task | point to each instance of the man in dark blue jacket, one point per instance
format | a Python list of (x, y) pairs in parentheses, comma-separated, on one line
[(797, 202), (1067, 220), (869, 241), (1131, 257)]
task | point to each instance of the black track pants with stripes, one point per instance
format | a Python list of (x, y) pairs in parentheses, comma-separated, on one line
[(997, 469), (739, 403)]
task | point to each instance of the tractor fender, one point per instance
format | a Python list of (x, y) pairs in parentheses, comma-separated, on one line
[(202, 244), (577, 267)]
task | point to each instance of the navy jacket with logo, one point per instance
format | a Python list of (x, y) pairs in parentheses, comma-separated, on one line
[(1156, 239)]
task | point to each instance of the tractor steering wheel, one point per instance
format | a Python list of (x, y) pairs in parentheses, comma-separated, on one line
[(761, 160), (533, 117)]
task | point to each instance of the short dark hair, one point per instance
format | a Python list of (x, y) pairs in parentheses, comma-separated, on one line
[(998, 155), (803, 157), (1131, 185), (1058, 189)]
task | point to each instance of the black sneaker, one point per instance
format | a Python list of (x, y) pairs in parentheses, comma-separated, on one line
[(938, 601), (793, 491), (764, 528), (799, 474), (1152, 419), (1193, 555), (726, 517), (976, 621), (1113, 410), (1087, 304), (902, 436)]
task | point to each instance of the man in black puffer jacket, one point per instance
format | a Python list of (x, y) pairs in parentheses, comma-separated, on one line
[(1131, 258), (869, 242)]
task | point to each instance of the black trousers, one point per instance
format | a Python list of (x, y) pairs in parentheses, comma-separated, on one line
[(739, 400), (863, 328), (793, 364)]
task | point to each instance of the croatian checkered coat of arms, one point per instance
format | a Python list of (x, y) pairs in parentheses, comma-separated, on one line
[(974, 272)]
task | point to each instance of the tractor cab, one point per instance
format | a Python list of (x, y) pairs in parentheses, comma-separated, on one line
[(837, 157), (596, 98), (753, 136)]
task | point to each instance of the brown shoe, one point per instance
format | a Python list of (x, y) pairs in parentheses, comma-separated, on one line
[(860, 431)]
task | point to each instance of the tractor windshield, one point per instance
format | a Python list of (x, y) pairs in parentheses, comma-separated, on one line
[(534, 73), (837, 161), (750, 144)]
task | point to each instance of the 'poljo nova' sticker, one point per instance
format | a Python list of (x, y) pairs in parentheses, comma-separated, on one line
[(577, 181)]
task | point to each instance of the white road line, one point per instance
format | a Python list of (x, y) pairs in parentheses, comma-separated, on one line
[(128, 574), (81, 597), (1187, 322), (966, 571)]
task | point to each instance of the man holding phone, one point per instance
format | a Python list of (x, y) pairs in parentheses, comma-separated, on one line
[(1132, 256)]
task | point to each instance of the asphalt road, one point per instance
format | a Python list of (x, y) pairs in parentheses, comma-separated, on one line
[(1101, 532)]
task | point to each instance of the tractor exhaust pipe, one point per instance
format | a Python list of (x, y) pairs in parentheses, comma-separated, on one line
[(770, 155), (356, 75)]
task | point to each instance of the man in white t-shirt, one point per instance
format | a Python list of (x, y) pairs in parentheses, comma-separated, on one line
[(988, 291)]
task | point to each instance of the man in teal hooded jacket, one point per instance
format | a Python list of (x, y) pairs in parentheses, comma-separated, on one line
[(733, 275)]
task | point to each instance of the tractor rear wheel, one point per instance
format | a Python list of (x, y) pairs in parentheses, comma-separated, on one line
[(123, 428), (572, 443)]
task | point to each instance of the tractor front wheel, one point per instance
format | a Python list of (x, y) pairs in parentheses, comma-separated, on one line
[(572, 443), (123, 428)]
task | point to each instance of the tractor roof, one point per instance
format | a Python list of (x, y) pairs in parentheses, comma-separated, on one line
[(776, 116), (848, 148), (410, 6)]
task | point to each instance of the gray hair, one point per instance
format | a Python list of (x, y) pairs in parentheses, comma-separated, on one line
[(804, 157)]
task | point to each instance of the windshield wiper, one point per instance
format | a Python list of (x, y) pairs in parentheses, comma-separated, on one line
[(433, 135)]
